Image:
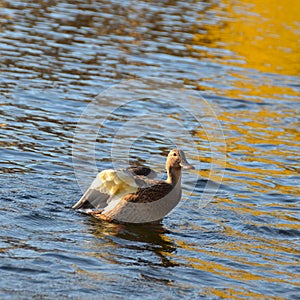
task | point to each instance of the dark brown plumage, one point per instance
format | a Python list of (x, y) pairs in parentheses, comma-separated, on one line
[(151, 193)]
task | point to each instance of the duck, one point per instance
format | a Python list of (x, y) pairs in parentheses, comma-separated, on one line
[(132, 195)]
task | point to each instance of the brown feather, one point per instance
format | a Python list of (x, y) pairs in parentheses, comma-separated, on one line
[(150, 193)]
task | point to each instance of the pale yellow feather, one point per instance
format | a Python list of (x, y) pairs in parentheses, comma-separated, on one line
[(116, 183)]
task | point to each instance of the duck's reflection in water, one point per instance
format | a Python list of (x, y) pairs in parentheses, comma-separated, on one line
[(141, 241)]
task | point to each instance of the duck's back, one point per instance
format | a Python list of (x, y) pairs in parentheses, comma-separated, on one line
[(148, 204)]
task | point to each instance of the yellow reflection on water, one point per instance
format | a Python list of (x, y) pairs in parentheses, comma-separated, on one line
[(264, 143), (230, 293), (263, 34), (266, 34), (217, 267), (259, 143), (270, 250)]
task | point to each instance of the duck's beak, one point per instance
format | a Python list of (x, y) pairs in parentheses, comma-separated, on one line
[(185, 165)]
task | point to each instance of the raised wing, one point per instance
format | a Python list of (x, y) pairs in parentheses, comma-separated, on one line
[(107, 186), (142, 171), (93, 197)]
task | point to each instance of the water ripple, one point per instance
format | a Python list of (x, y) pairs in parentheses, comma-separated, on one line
[(243, 59)]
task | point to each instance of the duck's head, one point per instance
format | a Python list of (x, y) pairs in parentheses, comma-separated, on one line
[(177, 160)]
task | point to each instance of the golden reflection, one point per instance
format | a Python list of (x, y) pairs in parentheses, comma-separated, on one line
[(240, 243), (269, 247), (231, 293), (283, 221), (225, 270), (259, 145), (257, 90), (263, 35), (266, 34)]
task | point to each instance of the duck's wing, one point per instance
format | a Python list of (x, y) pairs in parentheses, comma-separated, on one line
[(93, 197), (107, 186), (143, 171), (153, 191)]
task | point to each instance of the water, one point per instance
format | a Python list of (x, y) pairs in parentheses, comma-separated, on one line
[(242, 58)]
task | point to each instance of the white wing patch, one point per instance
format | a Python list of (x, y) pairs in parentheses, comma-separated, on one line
[(116, 183), (107, 189)]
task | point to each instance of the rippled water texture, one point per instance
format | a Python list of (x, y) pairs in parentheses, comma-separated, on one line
[(242, 57)]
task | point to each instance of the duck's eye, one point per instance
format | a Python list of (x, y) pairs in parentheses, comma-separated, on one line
[(174, 154)]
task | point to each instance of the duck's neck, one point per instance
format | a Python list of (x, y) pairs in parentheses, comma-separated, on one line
[(174, 175)]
